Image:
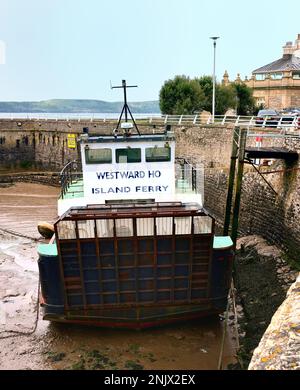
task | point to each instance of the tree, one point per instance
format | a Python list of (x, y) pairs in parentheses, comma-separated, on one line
[(206, 84), (225, 95), (181, 96), (245, 100), (185, 96), (225, 98)]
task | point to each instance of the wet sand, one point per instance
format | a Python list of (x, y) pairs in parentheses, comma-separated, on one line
[(189, 345)]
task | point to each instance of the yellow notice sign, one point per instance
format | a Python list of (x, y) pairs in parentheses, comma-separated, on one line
[(71, 141)]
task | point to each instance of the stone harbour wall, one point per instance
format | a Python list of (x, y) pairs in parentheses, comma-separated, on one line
[(41, 144), (262, 277), (44, 144), (274, 216), (279, 349)]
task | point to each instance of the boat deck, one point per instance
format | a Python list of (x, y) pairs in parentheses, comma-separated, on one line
[(75, 190)]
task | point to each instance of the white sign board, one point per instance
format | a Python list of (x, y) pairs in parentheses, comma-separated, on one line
[(144, 180)]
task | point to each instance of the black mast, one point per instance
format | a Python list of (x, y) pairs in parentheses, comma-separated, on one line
[(126, 108)]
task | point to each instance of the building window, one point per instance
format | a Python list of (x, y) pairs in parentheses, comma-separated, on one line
[(129, 155), (98, 156), (296, 76), (260, 76), (260, 101), (276, 76)]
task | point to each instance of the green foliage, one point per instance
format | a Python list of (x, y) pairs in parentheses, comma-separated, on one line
[(245, 100), (55, 357), (225, 98), (206, 84), (225, 95), (25, 164), (181, 96), (132, 365), (94, 360), (261, 106)]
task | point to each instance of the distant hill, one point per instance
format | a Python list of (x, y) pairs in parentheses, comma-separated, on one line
[(78, 106)]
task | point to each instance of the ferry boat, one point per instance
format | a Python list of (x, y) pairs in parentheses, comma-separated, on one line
[(133, 245)]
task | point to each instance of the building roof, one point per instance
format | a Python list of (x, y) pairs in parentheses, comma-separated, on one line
[(287, 63)]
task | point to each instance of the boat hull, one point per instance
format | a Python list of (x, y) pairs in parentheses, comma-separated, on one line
[(137, 276), (136, 318)]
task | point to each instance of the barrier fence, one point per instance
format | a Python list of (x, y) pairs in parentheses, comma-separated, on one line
[(284, 125)]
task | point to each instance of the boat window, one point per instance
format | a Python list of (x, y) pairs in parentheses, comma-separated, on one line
[(105, 228), (86, 229), (202, 225), (183, 225), (124, 227), (164, 226), (145, 226), (98, 156), (128, 155), (158, 154), (66, 230)]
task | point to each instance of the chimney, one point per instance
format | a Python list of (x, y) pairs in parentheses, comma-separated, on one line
[(288, 48), (297, 42)]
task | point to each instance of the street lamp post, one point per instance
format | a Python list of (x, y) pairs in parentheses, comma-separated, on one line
[(214, 79)]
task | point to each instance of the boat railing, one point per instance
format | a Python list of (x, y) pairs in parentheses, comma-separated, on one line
[(189, 177), (70, 174)]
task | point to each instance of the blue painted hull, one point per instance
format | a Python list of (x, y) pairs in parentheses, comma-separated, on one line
[(105, 300)]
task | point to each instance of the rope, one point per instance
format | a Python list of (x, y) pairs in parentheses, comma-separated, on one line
[(224, 333), (235, 316), (231, 295), (19, 234), (16, 333)]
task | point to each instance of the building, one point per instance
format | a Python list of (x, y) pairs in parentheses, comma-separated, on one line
[(277, 85)]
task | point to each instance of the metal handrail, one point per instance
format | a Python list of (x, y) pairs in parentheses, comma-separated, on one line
[(204, 118), (281, 126), (68, 175)]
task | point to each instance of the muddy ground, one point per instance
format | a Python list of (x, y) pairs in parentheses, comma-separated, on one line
[(192, 345)]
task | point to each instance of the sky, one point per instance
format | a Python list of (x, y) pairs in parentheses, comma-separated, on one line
[(73, 49)]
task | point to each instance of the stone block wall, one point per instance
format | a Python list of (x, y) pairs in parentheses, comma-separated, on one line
[(41, 144), (279, 348), (276, 94), (273, 216)]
